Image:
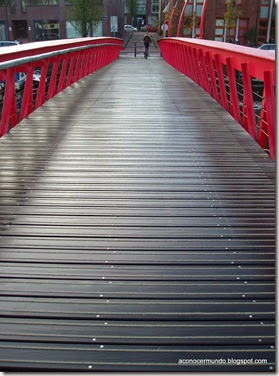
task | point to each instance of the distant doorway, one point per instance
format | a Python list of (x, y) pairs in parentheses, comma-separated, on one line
[(20, 30)]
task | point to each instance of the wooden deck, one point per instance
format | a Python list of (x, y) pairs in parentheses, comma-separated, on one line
[(137, 231)]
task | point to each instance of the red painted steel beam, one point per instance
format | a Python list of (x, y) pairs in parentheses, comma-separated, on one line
[(203, 18), (259, 61), (37, 48), (208, 63), (67, 65), (181, 18)]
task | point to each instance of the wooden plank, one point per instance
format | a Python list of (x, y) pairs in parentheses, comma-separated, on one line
[(106, 357), (119, 332), (143, 289), (84, 268), (133, 309)]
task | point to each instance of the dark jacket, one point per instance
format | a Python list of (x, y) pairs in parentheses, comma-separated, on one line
[(147, 40)]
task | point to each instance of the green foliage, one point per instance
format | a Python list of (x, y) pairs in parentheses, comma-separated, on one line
[(132, 7), (231, 14), (85, 15), (252, 36), (5, 2)]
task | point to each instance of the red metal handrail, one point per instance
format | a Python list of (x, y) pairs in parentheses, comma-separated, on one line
[(217, 65), (60, 63)]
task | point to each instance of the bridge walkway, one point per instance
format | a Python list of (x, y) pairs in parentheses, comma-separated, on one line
[(137, 230)]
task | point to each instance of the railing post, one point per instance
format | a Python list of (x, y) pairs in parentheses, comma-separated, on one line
[(220, 74), (212, 76), (263, 131), (270, 111), (71, 70), (8, 96), (195, 65), (234, 106), (40, 100), (52, 86), (204, 73), (61, 83), (27, 100), (251, 122), (77, 67)]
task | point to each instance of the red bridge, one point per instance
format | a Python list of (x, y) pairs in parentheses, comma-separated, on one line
[(137, 207)]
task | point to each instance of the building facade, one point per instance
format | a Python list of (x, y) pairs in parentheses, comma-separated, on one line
[(34, 20), (252, 21)]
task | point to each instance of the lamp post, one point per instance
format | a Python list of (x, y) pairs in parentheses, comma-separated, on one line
[(269, 21), (7, 20), (194, 19), (159, 14)]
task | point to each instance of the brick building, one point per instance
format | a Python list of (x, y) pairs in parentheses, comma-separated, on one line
[(255, 23), (31, 20)]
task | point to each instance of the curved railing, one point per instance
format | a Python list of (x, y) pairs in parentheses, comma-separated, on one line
[(241, 79), (33, 73)]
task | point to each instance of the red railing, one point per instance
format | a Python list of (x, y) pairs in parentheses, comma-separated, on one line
[(46, 68), (241, 79)]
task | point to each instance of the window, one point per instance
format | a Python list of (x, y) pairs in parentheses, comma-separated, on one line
[(188, 18), (3, 35), (219, 29), (47, 30), (199, 10), (141, 7), (33, 3), (263, 22), (264, 12), (155, 6), (220, 22)]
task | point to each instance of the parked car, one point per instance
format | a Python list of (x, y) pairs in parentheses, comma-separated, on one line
[(149, 28), (6, 43), (130, 28), (20, 79), (152, 29), (267, 47)]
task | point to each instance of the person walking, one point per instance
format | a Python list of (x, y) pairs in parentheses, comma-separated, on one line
[(147, 40)]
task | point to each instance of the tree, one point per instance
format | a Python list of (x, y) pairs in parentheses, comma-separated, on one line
[(85, 15), (231, 15), (132, 7)]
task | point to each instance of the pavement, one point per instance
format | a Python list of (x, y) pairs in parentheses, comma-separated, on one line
[(133, 39)]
